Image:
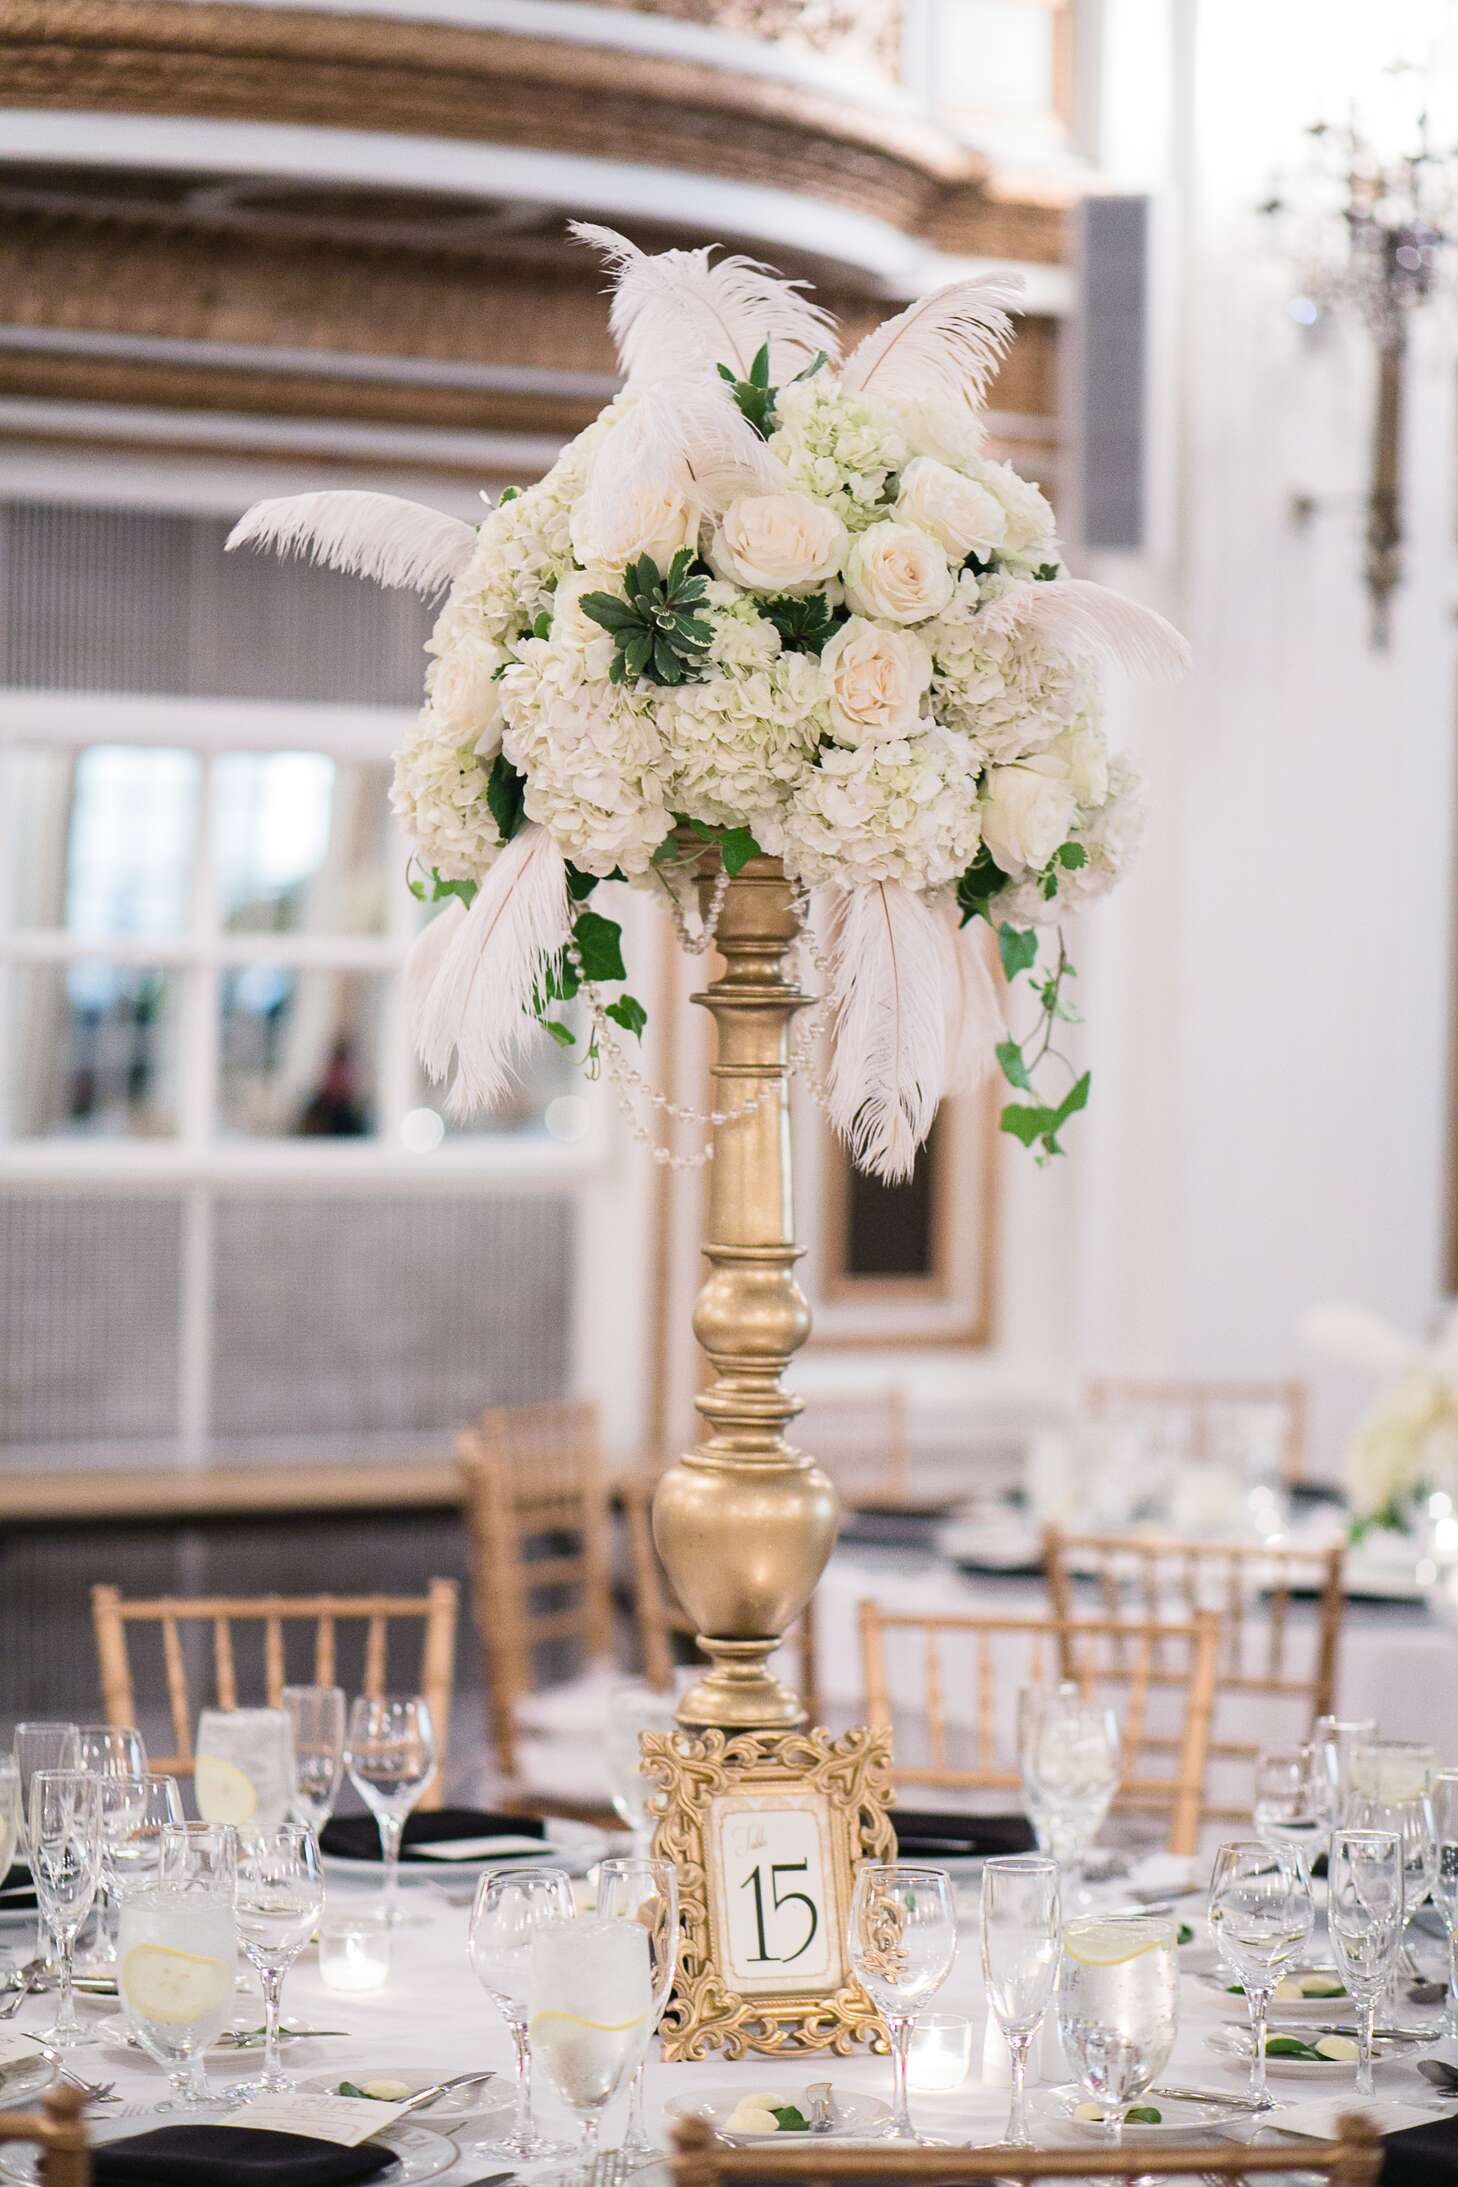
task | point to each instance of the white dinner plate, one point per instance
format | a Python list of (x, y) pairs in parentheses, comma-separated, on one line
[(572, 1845), (480, 2101), (1235, 2043), (419, 2154), (1234, 2007), (1178, 2114), (857, 2117)]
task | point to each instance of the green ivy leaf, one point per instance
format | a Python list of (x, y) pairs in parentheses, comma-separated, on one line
[(505, 794), (1075, 1099), (1014, 1070), (1046, 572), (736, 847), (580, 885), (978, 885), (1018, 949), (599, 946), (628, 1012), (542, 627), (562, 1034)]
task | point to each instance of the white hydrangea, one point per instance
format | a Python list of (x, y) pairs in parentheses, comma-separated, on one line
[(1407, 1442), (737, 742), (439, 792), (592, 754), (1110, 834), (1009, 693), (843, 449), (904, 809)]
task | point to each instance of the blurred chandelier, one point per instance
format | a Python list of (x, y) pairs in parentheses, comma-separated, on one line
[(1373, 233)]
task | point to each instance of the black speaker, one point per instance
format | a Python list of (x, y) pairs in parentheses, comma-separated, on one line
[(1110, 371)]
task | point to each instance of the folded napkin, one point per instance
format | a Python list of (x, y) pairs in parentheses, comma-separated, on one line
[(1421, 2156), (229, 2156), (930, 1834), (357, 1837)]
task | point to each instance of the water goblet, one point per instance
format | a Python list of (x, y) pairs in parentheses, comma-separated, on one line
[(1388, 1770), (65, 1862), (590, 2013), (1021, 1930), (1364, 1918), (110, 1750), (280, 1896), (178, 1954), (633, 1707), (316, 1719), (1071, 1767), (646, 1892), (1445, 1880), (390, 1753), (902, 1942), (1118, 2007), (1261, 1917), (1293, 1798), (134, 1813), (1336, 1739), (511, 1905), (243, 1769)]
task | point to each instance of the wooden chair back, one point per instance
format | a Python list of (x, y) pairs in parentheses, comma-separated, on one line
[(434, 1612), (862, 1440), (59, 2127), (1201, 1407), (1132, 1666), (1251, 1587), (538, 1524), (700, 2159)]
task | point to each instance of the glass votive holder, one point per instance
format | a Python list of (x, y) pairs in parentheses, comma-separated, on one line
[(940, 2054), (354, 1952)]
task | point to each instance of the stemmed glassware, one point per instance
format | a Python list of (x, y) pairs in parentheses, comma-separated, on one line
[(1445, 1881), (1293, 1799), (1118, 2007), (1411, 1819), (390, 1753), (134, 1813), (243, 1769), (1389, 1770), (65, 1861), (9, 1813), (511, 1906), (645, 1892), (1021, 1930), (316, 1718), (110, 1750), (633, 1707), (591, 2010), (1261, 1917), (1071, 1765), (902, 1943), (280, 1896), (1336, 1739), (178, 1953), (1364, 1917)]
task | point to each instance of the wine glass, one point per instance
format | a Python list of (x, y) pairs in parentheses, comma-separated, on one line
[(1412, 1821), (646, 1892), (902, 1942), (590, 2013), (511, 1905), (1118, 2007), (1021, 1928), (65, 1861), (316, 1717), (1071, 1767), (1388, 1770), (1261, 1917), (179, 1952), (243, 1769), (1336, 1739), (390, 1754), (1445, 1881), (633, 1707), (1364, 1918), (280, 1897), (9, 1813), (110, 1750), (134, 1813), (1293, 1798)]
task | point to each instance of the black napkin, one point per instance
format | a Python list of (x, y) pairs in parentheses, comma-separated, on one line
[(1421, 2156), (231, 2156), (357, 1837), (928, 1834), (17, 1892)]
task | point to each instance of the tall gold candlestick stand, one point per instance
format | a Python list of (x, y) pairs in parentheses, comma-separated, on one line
[(744, 1523)]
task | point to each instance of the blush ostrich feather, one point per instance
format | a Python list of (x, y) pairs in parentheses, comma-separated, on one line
[(682, 312), (1088, 623), (942, 349), (381, 536), (478, 1005), (427, 955), (976, 1020), (890, 973)]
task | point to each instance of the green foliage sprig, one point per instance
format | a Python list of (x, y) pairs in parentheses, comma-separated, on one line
[(1038, 1122), (804, 621), (653, 626)]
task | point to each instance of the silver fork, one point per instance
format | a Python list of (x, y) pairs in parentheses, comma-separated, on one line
[(93, 2091), (13, 2004)]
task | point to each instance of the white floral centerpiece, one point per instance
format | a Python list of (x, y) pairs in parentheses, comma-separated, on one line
[(767, 603), (1405, 1446)]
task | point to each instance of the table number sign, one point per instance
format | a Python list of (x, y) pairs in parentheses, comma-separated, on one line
[(767, 1829)]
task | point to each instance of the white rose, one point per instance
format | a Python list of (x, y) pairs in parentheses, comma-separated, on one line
[(964, 516), (653, 524), (874, 679), (897, 571), (463, 693), (778, 543), (1081, 749), (1027, 811), (569, 625)]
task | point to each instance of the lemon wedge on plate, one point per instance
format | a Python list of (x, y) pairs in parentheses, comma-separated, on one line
[(224, 1794), (173, 1987), (1111, 1943)]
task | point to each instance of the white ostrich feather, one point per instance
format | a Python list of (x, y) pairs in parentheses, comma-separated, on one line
[(976, 1019), (480, 997), (427, 954), (682, 440), (367, 535), (681, 312), (890, 972), (1087, 622), (943, 348), (1360, 1337)]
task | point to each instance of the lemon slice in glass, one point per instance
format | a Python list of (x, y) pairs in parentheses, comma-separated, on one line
[(224, 1794), (173, 1987), (1111, 1943)]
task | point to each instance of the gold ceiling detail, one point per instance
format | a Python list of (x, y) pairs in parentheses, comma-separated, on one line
[(850, 30)]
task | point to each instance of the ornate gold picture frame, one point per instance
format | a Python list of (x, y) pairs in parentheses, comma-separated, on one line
[(768, 1829)]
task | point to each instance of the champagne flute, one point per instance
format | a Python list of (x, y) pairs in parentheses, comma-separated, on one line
[(1337, 1739), (316, 1715), (243, 1769), (902, 1942), (1261, 1917), (1118, 2007), (646, 1892), (511, 1905), (1021, 1929), (280, 1897), (1445, 1881), (390, 1754), (591, 2012), (1364, 1917), (65, 1861), (178, 1953), (1412, 1821), (633, 1707)]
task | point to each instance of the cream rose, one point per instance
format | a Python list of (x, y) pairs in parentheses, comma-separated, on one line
[(897, 572), (964, 516), (463, 693), (652, 524), (873, 680), (569, 625), (1027, 811), (778, 543)]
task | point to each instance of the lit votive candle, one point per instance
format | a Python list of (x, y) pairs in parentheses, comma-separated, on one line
[(940, 2055), (354, 1952)]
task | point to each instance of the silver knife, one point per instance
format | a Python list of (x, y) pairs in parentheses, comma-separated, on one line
[(1214, 2095)]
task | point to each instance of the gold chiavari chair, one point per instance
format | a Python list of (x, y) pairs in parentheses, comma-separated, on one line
[(1164, 1671), (1250, 1586), (861, 1438), (700, 2159), (538, 1524), (59, 2128), (434, 1612), (1200, 1409)]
